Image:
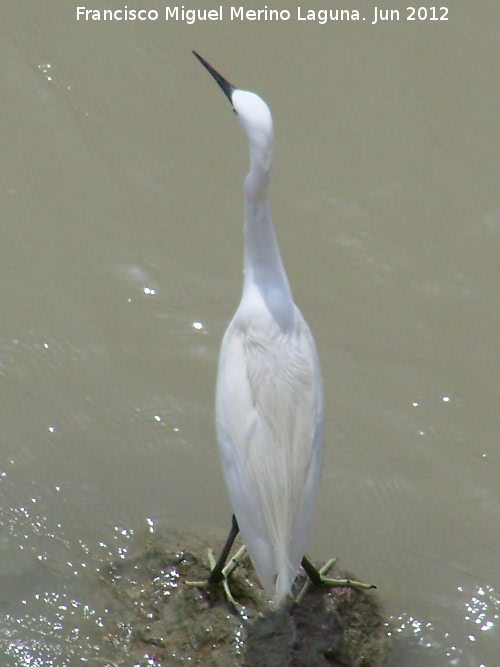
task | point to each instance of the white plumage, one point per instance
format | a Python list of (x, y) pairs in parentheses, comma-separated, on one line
[(269, 402)]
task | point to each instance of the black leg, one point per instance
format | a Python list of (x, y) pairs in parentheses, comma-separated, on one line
[(319, 578), (311, 571), (216, 575)]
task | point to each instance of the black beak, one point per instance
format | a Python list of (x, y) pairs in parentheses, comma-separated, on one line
[(227, 87)]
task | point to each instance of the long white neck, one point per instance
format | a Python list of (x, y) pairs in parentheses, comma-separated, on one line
[(263, 267)]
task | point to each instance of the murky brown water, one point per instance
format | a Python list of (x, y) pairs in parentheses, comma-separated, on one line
[(120, 260)]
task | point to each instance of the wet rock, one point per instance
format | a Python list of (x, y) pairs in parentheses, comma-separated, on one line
[(164, 622)]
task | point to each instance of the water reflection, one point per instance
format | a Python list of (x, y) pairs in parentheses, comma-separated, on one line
[(432, 641), (118, 279), (56, 611)]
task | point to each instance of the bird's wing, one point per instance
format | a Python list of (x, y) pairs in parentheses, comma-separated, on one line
[(269, 425)]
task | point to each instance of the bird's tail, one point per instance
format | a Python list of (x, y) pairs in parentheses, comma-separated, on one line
[(286, 573)]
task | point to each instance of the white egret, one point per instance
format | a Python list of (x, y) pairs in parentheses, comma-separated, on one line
[(269, 397)]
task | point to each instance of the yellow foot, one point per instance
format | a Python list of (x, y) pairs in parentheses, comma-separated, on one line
[(317, 578), (224, 574)]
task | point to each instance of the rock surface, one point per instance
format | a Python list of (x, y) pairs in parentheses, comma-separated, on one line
[(167, 623)]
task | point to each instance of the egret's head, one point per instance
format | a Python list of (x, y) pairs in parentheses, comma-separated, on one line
[(253, 114), (255, 118)]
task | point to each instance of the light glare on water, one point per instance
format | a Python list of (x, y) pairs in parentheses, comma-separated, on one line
[(121, 257)]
